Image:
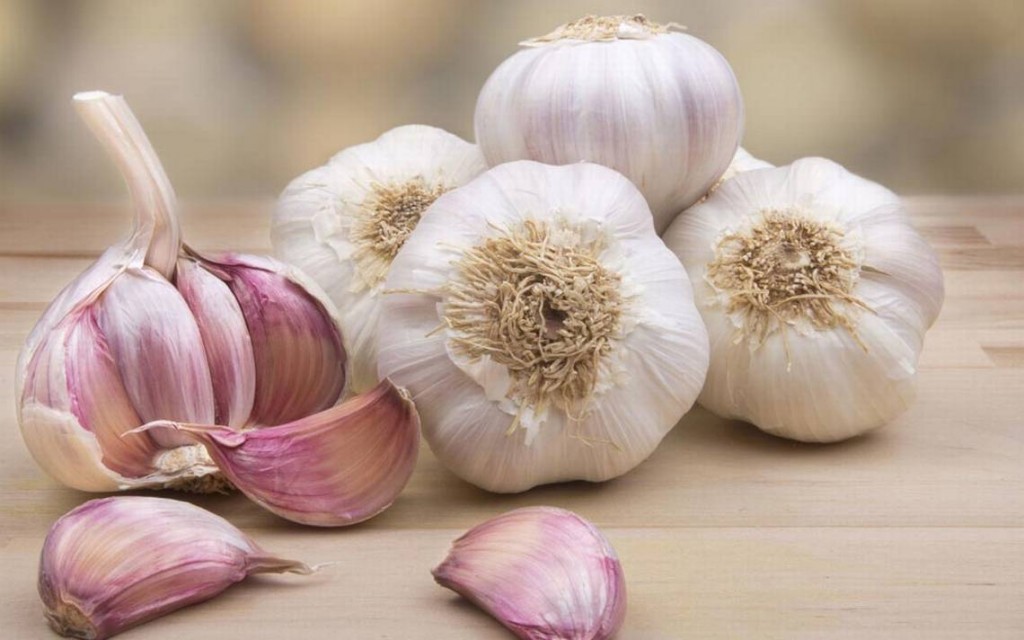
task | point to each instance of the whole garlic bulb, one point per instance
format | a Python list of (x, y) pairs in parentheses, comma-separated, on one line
[(544, 330), (155, 331), (662, 108), (343, 223), (816, 291)]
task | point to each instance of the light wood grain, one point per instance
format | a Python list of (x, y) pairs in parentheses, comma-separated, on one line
[(916, 531)]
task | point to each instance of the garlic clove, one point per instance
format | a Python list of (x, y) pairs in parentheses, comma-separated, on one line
[(74, 410), (115, 563), (334, 468), (542, 572), (150, 329), (299, 357), (226, 339)]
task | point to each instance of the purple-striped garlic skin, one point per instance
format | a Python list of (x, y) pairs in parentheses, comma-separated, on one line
[(542, 572), (114, 563), (334, 468), (155, 331)]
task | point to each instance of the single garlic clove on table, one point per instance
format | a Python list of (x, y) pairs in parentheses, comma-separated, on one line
[(333, 468), (155, 331), (343, 223), (544, 330), (816, 291), (544, 573), (115, 563), (660, 107)]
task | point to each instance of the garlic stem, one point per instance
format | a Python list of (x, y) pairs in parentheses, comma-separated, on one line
[(156, 225)]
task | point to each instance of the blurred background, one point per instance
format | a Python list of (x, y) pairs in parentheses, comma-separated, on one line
[(238, 97)]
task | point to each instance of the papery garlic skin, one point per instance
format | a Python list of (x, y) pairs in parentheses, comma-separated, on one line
[(742, 162), (544, 573), (660, 107), (333, 468), (342, 223), (154, 330), (115, 563), (642, 348), (830, 360)]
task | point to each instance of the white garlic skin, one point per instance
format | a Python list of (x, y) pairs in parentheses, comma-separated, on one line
[(650, 378), (663, 109), (827, 387), (312, 225)]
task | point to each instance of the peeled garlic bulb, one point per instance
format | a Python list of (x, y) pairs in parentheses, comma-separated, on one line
[(156, 331), (334, 468), (544, 573), (544, 330), (343, 223), (115, 563), (660, 107), (816, 292)]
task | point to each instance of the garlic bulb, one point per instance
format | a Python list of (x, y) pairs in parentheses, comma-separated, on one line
[(544, 573), (741, 163), (333, 468), (156, 331), (343, 223), (816, 292), (660, 107), (544, 330), (115, 563)]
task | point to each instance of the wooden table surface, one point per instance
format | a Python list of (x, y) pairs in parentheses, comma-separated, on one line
[(915, 531)]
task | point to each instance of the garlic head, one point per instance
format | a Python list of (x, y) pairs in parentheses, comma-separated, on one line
[(544, 330), (343, 223), (155, 331), (816, 292), (661, 107)]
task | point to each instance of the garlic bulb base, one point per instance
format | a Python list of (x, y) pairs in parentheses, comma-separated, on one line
[(67, 620)]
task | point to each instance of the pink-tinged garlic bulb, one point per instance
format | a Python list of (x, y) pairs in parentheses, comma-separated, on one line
[(155, 331), (662, 108), (334, 468), (544, 573), (115, 563)]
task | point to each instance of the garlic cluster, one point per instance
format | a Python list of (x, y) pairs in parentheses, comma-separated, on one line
[(333, 468), (155, 331), (816, 292), (544, 573), (661, 107), (115, 563), (343, 223), (545, 331)]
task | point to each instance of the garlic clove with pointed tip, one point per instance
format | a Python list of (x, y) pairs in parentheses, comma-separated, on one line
[(300, 361), (542, 572), (226, 339), (158, 349), (334, 468), (115, 563)]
